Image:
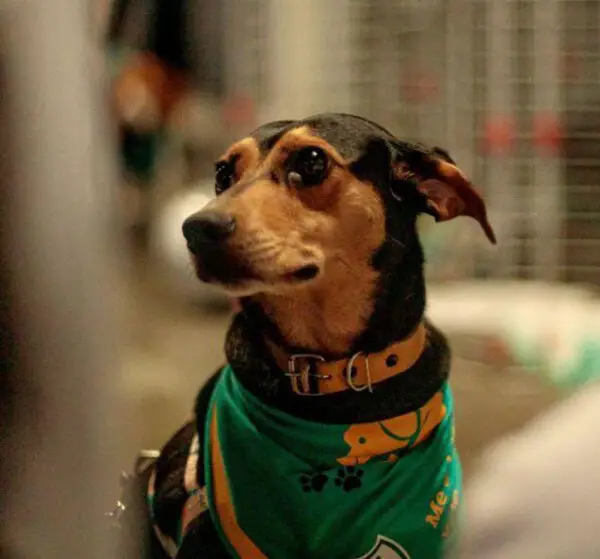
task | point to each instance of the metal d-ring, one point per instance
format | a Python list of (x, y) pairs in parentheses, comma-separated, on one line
[(368, 386)]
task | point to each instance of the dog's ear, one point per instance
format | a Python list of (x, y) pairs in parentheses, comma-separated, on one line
[(445, 191), (448, 193)]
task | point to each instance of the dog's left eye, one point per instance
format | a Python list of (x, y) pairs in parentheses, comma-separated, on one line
[(223, 176), (308, 167)]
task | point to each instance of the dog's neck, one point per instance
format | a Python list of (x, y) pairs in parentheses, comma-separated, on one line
[(362, 309), (324, 318)]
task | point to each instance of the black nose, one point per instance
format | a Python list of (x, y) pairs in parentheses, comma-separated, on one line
[(207, 228)]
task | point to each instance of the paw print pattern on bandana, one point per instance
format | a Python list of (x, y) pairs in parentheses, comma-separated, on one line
[(313, 483), (349, 478)]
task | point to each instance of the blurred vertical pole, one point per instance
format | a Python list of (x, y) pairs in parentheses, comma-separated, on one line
[(293, 52), (389, 64), (362, 66), (308, 50), (502, 193), (460, 100), (547, 166), (336, 73), (242, 29), (460, 113), (293, 57), (427, 21), (55, 184)]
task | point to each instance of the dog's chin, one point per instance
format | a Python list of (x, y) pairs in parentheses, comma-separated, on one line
[(238, 283)]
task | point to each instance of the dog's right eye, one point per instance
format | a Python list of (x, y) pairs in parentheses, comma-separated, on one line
[(223, 176), (307, 167)]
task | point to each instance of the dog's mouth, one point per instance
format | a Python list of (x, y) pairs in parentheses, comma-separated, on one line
[(239, 278)]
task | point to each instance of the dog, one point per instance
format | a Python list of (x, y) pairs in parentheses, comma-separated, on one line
[(330, 431)]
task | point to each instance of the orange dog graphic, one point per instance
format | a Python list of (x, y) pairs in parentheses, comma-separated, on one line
[(367, 440)]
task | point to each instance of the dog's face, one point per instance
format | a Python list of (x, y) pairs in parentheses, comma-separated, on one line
[(299, 202)]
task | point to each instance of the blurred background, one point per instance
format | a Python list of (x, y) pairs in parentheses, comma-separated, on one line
[(511, 88)]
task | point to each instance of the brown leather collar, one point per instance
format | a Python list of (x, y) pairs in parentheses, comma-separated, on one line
[(312, 375)]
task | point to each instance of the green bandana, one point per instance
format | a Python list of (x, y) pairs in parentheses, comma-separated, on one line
[(282, 487)]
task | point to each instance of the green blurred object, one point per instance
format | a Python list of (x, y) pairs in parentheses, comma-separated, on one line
[(139, 154), (568, 374), (565, 351), (586, 368)]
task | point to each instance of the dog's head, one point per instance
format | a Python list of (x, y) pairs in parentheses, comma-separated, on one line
[(300, 200)]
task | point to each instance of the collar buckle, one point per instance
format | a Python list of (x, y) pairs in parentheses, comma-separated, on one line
[(301, 377)]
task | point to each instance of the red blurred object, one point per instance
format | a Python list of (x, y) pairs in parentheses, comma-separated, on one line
[(547, 133), (499, 135), (419, 86), (239, 110), (165, 86)]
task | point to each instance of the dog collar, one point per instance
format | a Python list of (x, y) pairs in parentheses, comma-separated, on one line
[(312, 375)]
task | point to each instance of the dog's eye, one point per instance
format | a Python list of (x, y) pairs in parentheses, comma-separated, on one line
[(307, 167), (223, 176)]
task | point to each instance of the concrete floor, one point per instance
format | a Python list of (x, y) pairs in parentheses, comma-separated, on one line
[(173, 346)]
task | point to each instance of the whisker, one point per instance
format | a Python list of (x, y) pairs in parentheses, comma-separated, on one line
[(344, 262), (396, 241)]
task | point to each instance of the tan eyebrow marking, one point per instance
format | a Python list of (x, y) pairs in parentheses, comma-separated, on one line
[(246, 152), (295, 139)]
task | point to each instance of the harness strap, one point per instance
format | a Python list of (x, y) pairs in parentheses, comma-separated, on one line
[(195, 504)]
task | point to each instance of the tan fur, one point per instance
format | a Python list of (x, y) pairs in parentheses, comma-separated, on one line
[(336, 225), (248, 153)]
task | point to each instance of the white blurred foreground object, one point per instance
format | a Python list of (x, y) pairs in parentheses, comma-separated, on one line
[(537, 492), (59, 259), (551, 328), (169, 249)]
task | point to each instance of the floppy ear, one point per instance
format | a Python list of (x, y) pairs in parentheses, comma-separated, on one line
[(448, 192)]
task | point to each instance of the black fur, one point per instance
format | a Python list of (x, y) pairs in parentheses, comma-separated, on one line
[(399, 307)]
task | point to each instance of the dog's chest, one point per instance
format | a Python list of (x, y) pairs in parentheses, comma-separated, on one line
[(283, 487)]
